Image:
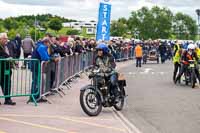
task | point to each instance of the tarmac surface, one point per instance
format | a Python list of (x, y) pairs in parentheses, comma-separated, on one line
[(63, 115), (156, 105)]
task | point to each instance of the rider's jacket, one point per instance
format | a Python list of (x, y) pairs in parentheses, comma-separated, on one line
[(105, 62), (186, 57)]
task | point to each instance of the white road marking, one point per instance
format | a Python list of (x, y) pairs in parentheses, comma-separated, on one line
[(147, 70), (131, 128)]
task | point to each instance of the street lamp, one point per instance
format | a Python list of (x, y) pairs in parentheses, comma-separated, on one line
[(136, 33), (198, 14), (35, 27)]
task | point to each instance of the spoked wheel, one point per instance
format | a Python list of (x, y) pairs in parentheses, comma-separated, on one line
[(90, 102), (119, 105)]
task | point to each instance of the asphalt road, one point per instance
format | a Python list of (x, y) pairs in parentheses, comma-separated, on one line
[(156, 105)]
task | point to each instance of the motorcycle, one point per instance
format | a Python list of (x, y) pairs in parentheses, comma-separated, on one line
[(145, 56), (190, 76), (99, 94)]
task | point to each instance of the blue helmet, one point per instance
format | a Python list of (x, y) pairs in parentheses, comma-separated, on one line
[(104, 47)]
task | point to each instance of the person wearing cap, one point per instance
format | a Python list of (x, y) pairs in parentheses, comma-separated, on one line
[(138, 55), (40, 53), (5, 80)]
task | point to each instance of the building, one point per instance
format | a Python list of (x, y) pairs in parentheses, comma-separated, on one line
[(90, 27)]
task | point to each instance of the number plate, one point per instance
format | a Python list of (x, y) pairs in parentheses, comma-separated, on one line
[(191, 65)]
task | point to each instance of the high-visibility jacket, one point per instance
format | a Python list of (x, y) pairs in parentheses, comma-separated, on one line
[(177, 53), (177, 56), (176, 49), (197, 50), (138, 51)]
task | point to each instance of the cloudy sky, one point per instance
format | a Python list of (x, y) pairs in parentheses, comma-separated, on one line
[(88, 9)]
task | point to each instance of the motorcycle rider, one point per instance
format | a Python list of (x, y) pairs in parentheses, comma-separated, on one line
[(189, 54), (105, 61), (176, 59)]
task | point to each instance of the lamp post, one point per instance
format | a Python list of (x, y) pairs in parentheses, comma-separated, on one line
[(198, 14), (136, 33), (35, 28)]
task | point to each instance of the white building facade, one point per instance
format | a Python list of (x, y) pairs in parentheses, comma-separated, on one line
[(89, 26)]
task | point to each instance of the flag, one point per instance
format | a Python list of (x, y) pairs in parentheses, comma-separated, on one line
[(103, 26)]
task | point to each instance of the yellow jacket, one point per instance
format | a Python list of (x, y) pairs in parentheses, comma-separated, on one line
[(177, 56), (197, 50)]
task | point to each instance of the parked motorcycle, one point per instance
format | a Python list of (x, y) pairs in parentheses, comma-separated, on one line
[(99, 94)]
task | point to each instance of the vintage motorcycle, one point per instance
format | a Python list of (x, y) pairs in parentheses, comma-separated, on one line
[(99, 93), (190, 76)]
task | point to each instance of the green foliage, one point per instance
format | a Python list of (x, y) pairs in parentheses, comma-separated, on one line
[(10, 23), (12, 33), (1, 26), (55, 24), (151, 23), (119, 28), (184, 26), (84, 33), (72, 32), (144, 23)]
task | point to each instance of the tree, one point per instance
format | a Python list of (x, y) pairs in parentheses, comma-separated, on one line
[(10, 23), (73, 32), (162, 22), (151, 23), (184, 26), (1, 25), (55, 24), (119, 28)]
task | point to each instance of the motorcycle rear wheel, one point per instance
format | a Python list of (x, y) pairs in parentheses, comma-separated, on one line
[(119, 106), (193, 79)]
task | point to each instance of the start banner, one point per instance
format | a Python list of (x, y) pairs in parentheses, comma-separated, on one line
[(103, 26)]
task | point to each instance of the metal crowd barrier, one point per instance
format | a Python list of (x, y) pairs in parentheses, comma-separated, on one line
[(54, 75), (18, 81), (36, 79), (125, 54)]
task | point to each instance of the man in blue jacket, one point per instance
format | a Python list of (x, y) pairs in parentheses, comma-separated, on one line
[(40, 53)]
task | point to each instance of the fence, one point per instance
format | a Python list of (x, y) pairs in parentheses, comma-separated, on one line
[(56, 74), (16, 81), (39, 79), (124, 54)]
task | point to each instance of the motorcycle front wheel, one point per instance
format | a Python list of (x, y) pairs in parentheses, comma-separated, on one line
[(90, 102)]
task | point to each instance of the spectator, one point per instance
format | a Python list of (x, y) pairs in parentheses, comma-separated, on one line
[(163, 50), (138, 55), (28, 46), (5, 81), (78, 47), (41, 53), (111, 46), (18, 42), (12, 47)]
